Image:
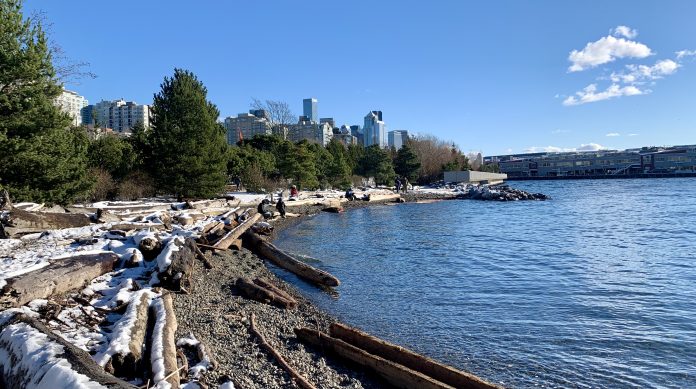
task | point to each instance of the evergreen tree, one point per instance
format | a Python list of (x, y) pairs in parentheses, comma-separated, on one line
[(338, 171), (355, 154), (142, 148), (41, 158), (113, 154), (406, 163), (189, 150), (376, 163)]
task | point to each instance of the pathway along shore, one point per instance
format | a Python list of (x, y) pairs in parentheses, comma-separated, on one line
[(216, 314)]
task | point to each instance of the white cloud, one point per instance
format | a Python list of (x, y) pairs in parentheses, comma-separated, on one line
[(590, 95), (639, 73), (625, 31), (560, 131), (606, 49), (613, 134), (633, 134), (685, 53), (556, 149)]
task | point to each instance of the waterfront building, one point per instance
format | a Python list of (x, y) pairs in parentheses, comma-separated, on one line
[(246, 125), (374, 130), (397, 138), (595, 163), (71, 103), (311, 131), (119, 115), (309, 110)]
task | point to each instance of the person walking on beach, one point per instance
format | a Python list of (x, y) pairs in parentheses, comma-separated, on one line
[(280, 206), (397, 184)]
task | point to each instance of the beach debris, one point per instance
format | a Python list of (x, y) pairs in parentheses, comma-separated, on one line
[(265, 292)]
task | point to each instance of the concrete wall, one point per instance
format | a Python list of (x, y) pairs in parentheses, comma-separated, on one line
[(474, 177)]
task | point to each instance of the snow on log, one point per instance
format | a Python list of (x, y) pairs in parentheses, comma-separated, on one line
[(407, 358), (262, 294), (31, 356), (165, 371), (20, 222), (60, 276), (205, 359), (175, 264), (397, 375), (296, 377), (287, 262), (236, 232), (126, 347), (148, 243)]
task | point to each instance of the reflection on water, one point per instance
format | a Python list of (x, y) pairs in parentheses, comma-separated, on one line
[(596, 288)]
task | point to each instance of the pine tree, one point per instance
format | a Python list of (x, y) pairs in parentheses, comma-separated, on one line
[(41, 158), (189, 147), (338, 170), (376, 163), (113, 154), (406, 163)]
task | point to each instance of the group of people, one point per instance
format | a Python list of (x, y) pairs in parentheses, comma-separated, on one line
[(401, 184), (263, 208)]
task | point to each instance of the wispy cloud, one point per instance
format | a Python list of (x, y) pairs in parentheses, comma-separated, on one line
[(607, 49), (685, 53), (560, 131), (624, 31), (590, 94), (632, 134), (556, 149), (613, 134), (639, 73)]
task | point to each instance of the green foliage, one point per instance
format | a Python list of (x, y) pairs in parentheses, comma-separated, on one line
[(241, 158), (113, 154), (141, 144), (189, 150), (490, 168), (406, 163), (354, 155), (41, 158), (338, 171), (376, 163)]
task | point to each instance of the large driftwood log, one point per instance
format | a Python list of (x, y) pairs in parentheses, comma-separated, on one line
[(297, 377), (407, 358), (287, 262), (56, 358), (163, 347), (235, 233), (262, 294), (60, 276), (150, 246), (268, 285), (178, 275), (397, 375), (22, 222)]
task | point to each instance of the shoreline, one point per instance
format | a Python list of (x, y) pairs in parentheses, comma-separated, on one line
[(215, 313)]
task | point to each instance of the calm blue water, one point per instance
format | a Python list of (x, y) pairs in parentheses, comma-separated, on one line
[(596, 288)]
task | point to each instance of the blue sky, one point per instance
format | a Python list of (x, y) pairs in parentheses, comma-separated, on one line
[(492, 76)]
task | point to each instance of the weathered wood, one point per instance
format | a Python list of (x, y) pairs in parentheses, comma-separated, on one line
[(129, 363), (60, 276), (397, 375), (201, 256), (264, 295), (150, 247), (130, 226), (297, 377), (69, 357), (268, 285), (21, 222), (178, 275), (408, 358), (287, 262), (209, 247), (237, 244), (234, 234), (163, 348)]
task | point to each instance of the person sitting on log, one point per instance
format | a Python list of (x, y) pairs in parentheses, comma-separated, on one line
[(280, 206), (350, 195), (262, 209), (293, 192)]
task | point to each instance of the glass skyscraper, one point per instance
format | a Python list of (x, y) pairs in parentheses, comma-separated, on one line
[(309, 109)]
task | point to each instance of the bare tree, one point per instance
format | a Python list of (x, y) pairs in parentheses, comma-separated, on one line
[(279, 112)]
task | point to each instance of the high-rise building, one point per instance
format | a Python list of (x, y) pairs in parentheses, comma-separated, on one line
[(119, 115), (311, 131), (309, 109), (397, 138), (246, 125), (374, 130), (331, 121), (356, 131), (72, 104)]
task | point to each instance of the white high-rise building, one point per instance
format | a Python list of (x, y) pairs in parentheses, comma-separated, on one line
[(374, 130), (121, 115), (246, 125), (397, 138), (72, 103), (311, 131)]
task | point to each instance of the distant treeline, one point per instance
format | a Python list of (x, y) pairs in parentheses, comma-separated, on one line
[(184, 152)]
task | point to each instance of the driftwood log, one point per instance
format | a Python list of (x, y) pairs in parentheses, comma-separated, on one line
[(178, 275), (229, 238), (60, 276), (407, 358), (22, 222), (268, 285), (150, 247), (15, 375), (287, 262), (202, 257), (297, 377), (395, 374), (163, 347), (128, 363), (259, 293)]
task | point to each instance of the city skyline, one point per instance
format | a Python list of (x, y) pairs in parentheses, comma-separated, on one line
[(501, 79)]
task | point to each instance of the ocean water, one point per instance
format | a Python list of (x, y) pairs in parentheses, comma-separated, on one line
[(593, 289)]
